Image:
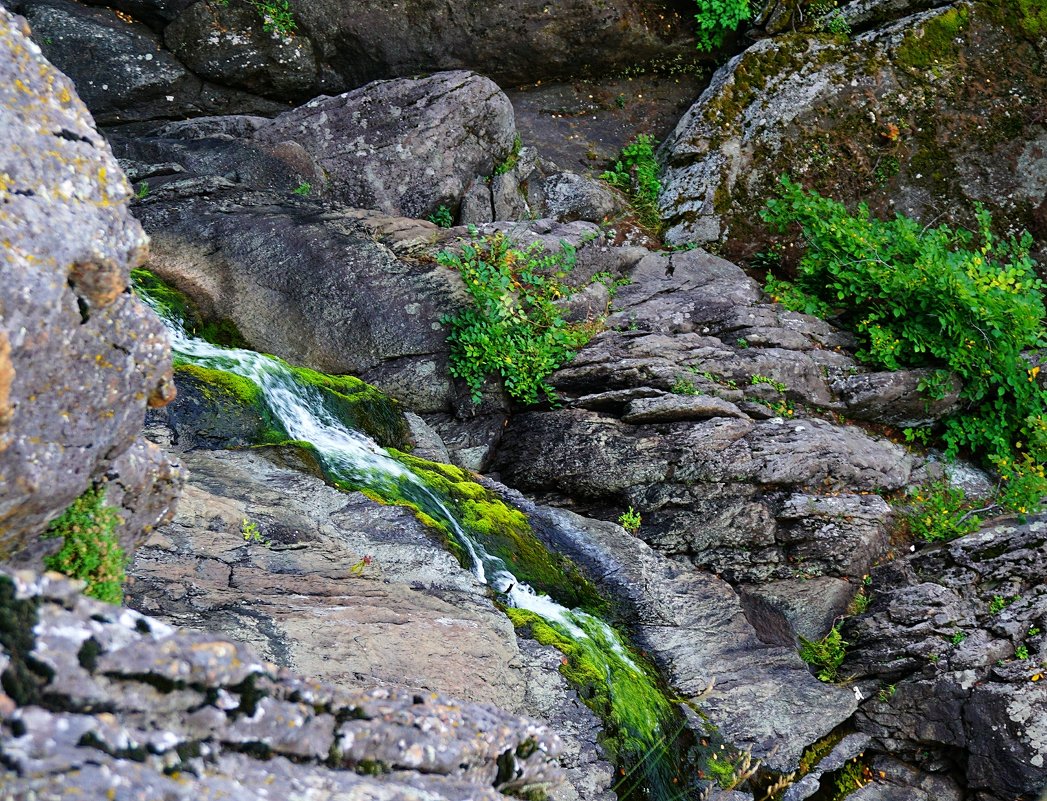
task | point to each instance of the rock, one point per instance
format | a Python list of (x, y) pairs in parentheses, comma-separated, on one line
[(673, 408), (810, 607), (959, 692), (120, 68), (80, 358), (227, 44), (375, 316), (112, 699), (884, 117), (567, 197), (895, 398), (443, 130), (758, 695), (412, 615)]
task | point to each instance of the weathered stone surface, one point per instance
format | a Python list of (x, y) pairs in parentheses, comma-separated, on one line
[(405, 146), (673, 408), (80, 357), (228, 45), (236, 722), (411, 615), (963, 698), (759, 695), (120, 68), (886, 117), (895, 398)]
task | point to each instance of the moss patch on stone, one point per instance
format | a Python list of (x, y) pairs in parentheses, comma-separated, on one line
[(225, 408), (178, 306), (360, 405), (90, 549), (933, 46), (506, 533)]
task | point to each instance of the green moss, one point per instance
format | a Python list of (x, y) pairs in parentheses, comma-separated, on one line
[(933, 45), (506, 533), (360, 405), (177, 305), (90, 549), (229, 400)]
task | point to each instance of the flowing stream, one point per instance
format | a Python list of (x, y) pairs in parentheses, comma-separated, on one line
[(640, 714)]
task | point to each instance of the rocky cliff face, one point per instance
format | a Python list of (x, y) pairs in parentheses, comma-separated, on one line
[(80, 357)]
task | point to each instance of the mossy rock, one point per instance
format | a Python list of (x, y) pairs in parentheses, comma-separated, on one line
[(177, 305), (215, 410)]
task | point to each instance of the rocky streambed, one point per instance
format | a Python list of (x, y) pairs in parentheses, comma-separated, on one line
[(410, 540)]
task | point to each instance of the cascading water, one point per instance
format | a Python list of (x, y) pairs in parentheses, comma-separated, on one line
[(644, 721)]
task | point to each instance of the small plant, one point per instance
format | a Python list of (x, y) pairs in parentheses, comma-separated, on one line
[(511, 160), (303, 189), (636, 174), (886, 693), (90, 550), (859, 603), (886, 168), (684, 386), (620, 101), (716, 19), (357, 569), (833, 22), (958, 637), (940, 512), (442, 217), (1033, 632), (999, 603), (917, 435), (630, 520), (782, 408), (825, 655), (742, 343), (513, 327), (251, 533), (142, 190), (276, 16), (1021, 652), (853, 777), (762, 379), (933, 658)]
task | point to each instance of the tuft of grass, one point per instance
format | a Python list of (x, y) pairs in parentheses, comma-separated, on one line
[(90, 549), (636, 174)]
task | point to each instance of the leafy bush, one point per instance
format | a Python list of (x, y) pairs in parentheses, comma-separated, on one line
[(825, 655), (276, 16), (969, 304), (630, 520), (940, 512), (636, 174), (90, 549), (717, 18), (513, 328), (442, 217)]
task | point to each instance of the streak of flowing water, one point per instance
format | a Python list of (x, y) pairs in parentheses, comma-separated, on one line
[(349, 457)]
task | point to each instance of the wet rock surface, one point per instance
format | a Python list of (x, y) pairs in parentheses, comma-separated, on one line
[(80, 358), (956, 634), (324, 561), (104, 698)]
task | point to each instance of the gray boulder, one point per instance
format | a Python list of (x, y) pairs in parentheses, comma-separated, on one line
[(121, 70), (885, 117), (105, 700), (80, 357), (403, 147)]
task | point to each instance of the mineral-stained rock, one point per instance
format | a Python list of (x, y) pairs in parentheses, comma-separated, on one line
[(107, 699), (405, 146), (80, 357), (886, 117), (957, 631)]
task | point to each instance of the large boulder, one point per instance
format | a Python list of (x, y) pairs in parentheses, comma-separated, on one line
[(121, 70), (404, 146), (104, 701), (80, 357), (888, 117)]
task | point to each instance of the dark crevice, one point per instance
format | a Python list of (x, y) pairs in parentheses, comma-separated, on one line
[(68, 135)]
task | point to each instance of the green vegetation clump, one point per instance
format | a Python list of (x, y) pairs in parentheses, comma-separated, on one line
[(441, 217), (276, 16), (90, 549), (513, 327), (825, 655), (968, 304), (512, 159), (933, 45), (717, 18), (630, 520), (941, 512), (636, 174)]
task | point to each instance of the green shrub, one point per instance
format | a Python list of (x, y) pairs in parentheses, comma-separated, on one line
[(513, 328), (276, 16), (90, 549), (636, 174), (442, 217), (630, 520), (825, 655), (717, 18), (968, 304), (941, 512)]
